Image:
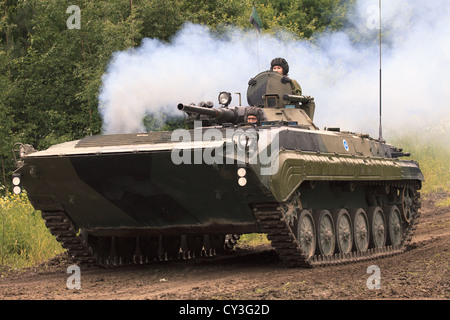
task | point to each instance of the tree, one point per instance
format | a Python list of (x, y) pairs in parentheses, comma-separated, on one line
[(61, 73)]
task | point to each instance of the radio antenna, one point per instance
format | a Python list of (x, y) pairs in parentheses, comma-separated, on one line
[(380, 129)]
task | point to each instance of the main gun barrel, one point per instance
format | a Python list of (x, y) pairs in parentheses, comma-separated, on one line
[(222, 114), (206, 111)]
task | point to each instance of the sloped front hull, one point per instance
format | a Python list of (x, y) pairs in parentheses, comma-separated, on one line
[(143, 193)]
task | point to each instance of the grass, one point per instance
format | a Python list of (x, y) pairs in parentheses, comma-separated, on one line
[(431, 149), (24, 239), (253, 239), (444, 203)]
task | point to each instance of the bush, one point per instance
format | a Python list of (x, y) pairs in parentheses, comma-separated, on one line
[(24, 239)]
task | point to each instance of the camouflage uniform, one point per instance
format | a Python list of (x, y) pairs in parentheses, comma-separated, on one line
[(296, 89)]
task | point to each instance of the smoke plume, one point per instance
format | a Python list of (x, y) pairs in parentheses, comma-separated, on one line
[(339, 69)]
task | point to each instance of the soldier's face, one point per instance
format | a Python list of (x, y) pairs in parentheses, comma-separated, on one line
[(252, 119), (278, 69)]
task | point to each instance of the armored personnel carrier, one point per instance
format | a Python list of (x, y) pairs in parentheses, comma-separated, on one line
[(322, 196)]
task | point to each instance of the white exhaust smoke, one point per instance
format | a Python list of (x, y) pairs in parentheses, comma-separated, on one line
[(341, 73)]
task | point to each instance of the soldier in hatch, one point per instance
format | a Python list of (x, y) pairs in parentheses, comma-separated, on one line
[(280, 65)]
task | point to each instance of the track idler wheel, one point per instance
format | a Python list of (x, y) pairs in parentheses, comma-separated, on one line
[(407, 203)]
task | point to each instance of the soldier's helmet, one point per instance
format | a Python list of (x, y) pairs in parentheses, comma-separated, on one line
[(282, 63)]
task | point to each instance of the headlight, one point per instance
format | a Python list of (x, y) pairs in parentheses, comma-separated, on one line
[(17, 189), (241, 172), (225, 98), (16, 180), (242, 181)]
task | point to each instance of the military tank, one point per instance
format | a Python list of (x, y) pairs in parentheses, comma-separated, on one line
[(322, 196)]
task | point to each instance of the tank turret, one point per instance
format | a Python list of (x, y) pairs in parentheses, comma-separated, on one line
[(270, 101), (268, 90)]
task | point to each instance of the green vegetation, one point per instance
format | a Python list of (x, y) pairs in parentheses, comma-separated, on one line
[(430, 147), (253, 239), (434, 163), (24, 239)]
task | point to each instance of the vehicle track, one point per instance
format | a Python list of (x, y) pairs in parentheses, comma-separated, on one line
[(276, 224), (273, 221)]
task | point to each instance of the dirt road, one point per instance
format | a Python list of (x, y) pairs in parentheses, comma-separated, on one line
[(420, 273)]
